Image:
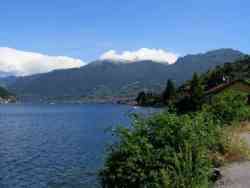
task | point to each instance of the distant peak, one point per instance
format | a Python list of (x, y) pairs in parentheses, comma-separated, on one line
[(217, 51), (224, 50), (213, 56)]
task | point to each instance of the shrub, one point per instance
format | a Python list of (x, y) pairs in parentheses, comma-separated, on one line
[(171, 151), (229, 106), (165, 150)]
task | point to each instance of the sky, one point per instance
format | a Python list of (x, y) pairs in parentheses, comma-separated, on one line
[(86, 30)]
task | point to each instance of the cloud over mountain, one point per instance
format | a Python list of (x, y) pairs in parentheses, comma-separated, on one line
[(23, 63), (157, 55)]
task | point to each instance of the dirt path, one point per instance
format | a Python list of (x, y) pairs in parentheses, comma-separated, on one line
[(246, 137), (236, 175)]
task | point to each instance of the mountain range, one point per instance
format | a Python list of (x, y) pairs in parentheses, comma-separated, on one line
[(108, 78)]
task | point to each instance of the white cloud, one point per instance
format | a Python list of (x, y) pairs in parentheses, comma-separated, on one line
[(26, 63), (157, 55)]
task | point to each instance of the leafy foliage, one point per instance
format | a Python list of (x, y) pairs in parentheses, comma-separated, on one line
[(229, 106), (165, 150), (194, 97), (175, 151), (197, 92)]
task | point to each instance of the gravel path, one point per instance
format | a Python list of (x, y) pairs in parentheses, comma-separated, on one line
[(236, 175), (246, 137)]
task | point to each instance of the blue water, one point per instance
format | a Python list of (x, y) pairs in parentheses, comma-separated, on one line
[(56, 145)]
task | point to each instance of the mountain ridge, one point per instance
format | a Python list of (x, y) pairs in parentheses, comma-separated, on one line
[(106, 78)]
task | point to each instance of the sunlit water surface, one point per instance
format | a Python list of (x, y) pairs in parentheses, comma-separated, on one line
[(57, 145)]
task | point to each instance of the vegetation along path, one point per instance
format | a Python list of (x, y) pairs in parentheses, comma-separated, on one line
[(236, 175)]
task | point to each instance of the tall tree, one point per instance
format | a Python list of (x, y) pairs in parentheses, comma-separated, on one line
[(196, 92), (141, 98), (169, 94)]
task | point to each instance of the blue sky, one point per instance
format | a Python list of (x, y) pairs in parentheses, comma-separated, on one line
[(87, 28)]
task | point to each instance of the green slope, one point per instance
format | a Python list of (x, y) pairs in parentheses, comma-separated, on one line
[(105, 78)]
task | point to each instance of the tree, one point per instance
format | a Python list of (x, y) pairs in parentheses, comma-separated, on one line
[(169, 94), (141, 98), (196, 92), (216, 77)]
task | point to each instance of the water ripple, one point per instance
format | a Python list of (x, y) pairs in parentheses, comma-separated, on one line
[(55, 145)]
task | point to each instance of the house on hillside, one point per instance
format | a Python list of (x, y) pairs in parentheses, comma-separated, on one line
[(237, 85)]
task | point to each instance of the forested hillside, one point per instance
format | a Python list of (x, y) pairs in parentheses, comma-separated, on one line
[(191, 92), (107, 78)]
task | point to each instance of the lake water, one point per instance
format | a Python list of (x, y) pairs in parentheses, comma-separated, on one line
[(56, 145)]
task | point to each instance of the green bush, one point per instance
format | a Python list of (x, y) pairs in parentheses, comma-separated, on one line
[(229, 106), (170, 150), (165, 150)]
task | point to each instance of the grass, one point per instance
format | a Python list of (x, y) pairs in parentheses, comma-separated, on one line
[(243, 127), (235, 148)]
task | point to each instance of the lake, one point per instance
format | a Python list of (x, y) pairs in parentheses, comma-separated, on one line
[(54, 146)]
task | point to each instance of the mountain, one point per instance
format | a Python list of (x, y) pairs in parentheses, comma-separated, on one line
[(5, 74), (107, 78), (6, 81), (239, 70)]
